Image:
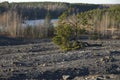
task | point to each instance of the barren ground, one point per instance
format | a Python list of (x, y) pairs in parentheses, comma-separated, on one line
[(41, 59)]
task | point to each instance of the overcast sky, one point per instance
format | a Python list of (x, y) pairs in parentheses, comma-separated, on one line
[(71, 1)]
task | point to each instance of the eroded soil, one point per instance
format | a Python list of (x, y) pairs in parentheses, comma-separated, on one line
[(41, 59)]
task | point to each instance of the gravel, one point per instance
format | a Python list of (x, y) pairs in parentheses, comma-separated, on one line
[(42, 59)]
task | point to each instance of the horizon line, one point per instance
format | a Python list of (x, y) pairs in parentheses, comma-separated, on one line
[(59, 2)]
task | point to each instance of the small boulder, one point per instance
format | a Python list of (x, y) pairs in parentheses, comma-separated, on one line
[(65, 77)]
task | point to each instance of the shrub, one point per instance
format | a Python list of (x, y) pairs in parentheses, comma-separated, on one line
[(64, 34), (57, 40)]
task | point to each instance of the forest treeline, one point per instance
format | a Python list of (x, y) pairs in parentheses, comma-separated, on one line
[(95, 24), (38, 10), (74, 21), (11, 24), (97, 21)]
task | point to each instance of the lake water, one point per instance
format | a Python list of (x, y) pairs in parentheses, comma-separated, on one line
[(38, 22)]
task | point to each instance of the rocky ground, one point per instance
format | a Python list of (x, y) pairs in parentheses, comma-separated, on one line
[(42, 60)]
